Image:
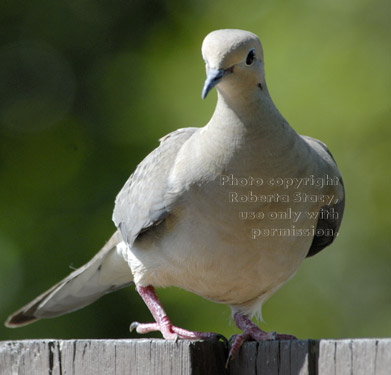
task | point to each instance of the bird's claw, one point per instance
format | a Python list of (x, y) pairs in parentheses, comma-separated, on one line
[(236, 341), (283, 336), (219, 337), (133, 326)]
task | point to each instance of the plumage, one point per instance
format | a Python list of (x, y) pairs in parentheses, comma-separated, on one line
[(180, 214), (82, 287)]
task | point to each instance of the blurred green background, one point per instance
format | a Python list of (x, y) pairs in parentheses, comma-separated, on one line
[(86, 89)]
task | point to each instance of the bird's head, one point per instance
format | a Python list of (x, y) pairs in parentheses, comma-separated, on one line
[(233, 59)]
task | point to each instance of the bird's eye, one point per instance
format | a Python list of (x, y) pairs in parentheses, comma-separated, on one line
[(250, 57)]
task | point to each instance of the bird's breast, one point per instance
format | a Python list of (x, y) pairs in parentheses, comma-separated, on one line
[(232, 242), (239, 235)]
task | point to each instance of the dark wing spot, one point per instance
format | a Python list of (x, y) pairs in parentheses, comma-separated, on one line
[(327, 229)]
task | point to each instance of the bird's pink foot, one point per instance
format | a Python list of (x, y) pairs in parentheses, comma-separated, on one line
[(163, 324), (251, 332), (171, 332)]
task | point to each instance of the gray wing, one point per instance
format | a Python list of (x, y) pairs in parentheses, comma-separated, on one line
[(332, 218), (142, 202)]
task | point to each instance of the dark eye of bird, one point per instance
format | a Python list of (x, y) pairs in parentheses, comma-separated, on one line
[(250, 57)]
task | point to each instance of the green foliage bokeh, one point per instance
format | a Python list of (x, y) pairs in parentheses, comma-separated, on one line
[(86, 89)]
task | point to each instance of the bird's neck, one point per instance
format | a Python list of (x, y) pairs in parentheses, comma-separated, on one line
[(249, 112), (254, 129)]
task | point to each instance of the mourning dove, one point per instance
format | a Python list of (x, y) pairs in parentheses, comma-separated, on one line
[(227, 211)]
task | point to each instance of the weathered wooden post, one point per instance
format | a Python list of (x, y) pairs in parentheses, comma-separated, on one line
[(157, 357)]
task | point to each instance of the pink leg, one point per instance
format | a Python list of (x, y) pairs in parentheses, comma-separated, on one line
[(162, 322), (251, 332)]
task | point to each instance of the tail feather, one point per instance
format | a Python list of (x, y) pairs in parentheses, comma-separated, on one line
[(106, 272)]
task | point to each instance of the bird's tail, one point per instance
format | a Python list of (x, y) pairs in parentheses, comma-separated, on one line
[(106, 272)]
